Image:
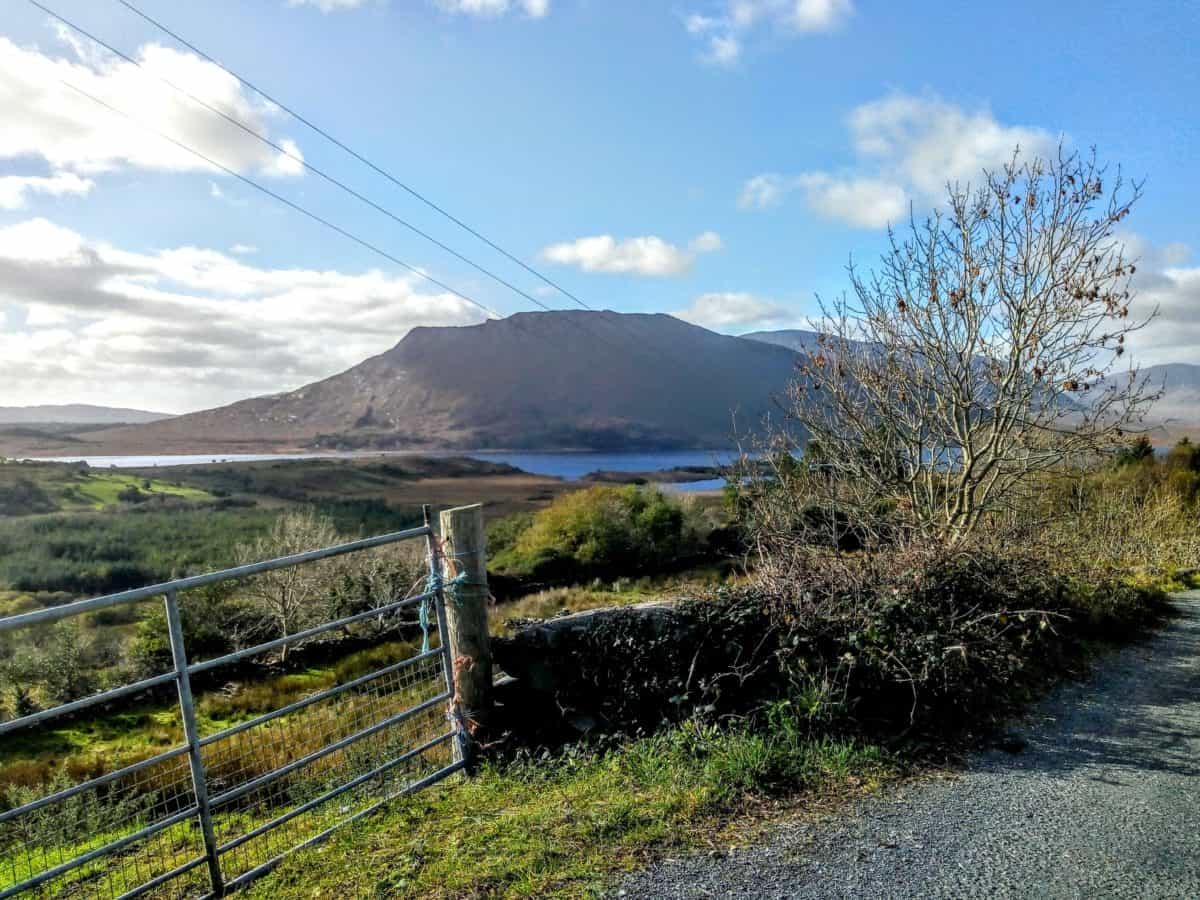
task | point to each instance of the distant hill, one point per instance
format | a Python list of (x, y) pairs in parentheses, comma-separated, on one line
[(793, 338), (554, 380), (1176, 413), (76, 414)]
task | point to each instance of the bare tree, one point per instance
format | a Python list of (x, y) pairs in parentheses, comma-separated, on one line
[(372, 578), (290, 599), (987, 348)]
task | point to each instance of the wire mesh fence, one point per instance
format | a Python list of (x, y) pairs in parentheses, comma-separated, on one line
[(221, 805)]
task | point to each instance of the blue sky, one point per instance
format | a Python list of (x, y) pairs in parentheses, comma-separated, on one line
[(718, 159)]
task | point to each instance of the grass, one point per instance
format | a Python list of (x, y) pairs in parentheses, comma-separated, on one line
[(564, 827), (101, 490), (57, 487)]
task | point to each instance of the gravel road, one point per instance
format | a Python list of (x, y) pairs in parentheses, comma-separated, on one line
[(1104, 801)]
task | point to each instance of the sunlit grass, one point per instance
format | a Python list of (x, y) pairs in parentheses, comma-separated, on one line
[(99, 490), (562, 827)]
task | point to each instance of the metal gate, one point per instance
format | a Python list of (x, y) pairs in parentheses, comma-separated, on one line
[(214, 810)]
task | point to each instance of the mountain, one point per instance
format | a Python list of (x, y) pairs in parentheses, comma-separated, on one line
[(554, 380), (793, 338), (1176, 413), (76, 414), (1178, 410)]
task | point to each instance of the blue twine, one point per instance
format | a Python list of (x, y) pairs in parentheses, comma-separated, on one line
[(433, 584)]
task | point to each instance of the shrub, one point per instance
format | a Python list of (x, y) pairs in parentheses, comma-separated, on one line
[(212, 623), (1128, 521), (132, 494), (930, 639), (23, 498), (598, 532)]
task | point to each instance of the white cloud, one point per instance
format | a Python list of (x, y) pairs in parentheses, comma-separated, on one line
[(187, 327), (723, 50), (631, 256), (766, 190), (15, 189), (735, 310), (44, 117), (865, 202), (708, 242), (724, 33), (288, 164), (1165, 281), (534, 9), (219, 193), (906, 148), (243, 249), (328, 6)]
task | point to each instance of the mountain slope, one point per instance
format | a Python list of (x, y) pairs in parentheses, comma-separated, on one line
[(559, 380), (793, 338), (1178, 410), (76, 414)]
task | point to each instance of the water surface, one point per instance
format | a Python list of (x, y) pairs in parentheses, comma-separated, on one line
[(568, 466)]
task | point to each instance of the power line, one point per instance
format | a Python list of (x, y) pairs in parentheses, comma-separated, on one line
[(652, 351), (358, 156), (284, 200), (293, 156)]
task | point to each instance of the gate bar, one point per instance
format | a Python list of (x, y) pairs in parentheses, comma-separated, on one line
[(264, 868), (192, 734), (258, 649), (331, 794), (111, 847), (316, 698), (185, 584), (345, 742), (55, 711)]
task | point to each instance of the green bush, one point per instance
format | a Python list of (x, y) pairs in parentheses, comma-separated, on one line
[(210, 615), (23, 498), (599, 532)]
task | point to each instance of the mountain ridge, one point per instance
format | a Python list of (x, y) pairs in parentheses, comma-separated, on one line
[(561, 380), (1178, 411), (76, 414)]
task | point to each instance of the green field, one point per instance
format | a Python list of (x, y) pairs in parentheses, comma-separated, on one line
[(30, 488), (100, 490)]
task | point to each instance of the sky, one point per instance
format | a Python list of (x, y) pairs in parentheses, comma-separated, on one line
[(718, 160)]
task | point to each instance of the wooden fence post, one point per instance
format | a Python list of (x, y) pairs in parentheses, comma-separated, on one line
[(464, 544)]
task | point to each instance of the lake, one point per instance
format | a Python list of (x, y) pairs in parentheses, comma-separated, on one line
[(568, 466)]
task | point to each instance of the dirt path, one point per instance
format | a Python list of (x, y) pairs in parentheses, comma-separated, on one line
[(1103, 802)]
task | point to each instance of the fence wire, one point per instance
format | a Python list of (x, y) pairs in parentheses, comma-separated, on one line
[(268, 784)]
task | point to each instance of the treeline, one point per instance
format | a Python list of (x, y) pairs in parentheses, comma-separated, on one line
[(103, 552)]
